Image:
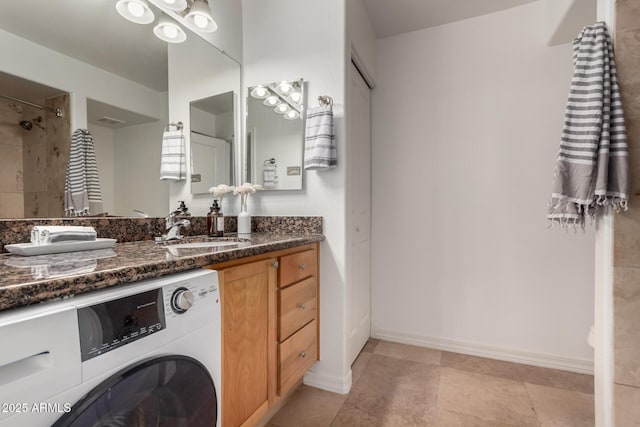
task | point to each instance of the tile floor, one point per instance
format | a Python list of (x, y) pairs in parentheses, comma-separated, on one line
[(397, 385)]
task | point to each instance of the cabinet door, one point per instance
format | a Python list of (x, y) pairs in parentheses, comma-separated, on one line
[(248, 341)]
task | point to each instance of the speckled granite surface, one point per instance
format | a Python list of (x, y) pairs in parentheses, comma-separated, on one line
[(29, 280), (137, 229)]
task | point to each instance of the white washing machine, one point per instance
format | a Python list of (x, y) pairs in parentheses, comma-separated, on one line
[(145, 354)]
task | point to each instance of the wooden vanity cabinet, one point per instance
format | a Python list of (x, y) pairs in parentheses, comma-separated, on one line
[(270, 330)]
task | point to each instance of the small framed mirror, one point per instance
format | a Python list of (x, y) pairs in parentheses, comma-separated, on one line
[(212, 123), (275, 135)]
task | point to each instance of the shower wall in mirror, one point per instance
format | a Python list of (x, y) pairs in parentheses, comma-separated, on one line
[(275, 135)]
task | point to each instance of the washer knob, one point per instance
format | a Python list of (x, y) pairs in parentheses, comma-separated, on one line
[(181, 300)]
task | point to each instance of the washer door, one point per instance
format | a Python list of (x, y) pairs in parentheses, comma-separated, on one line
[(167, 391)]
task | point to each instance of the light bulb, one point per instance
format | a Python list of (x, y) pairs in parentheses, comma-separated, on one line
[(200, 21), (170, 1), (285, 87), (282, 108), (296, 97), (135, 9), (272, 100), (260, 91), (170, 31), (292, 115)]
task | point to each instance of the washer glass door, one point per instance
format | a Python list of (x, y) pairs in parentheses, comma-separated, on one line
[(174, 391)]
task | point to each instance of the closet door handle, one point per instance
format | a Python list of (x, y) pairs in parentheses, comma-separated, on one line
[(275, 264), (302, 306), (302, 266), (302, 354)]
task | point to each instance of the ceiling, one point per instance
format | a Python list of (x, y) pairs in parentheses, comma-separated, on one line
[(26, 90), (391, 17), (91, 31), (112, 117)]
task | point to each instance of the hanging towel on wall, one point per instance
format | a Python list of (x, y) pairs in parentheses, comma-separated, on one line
[(82, 194), (320, 139), (592, 166), (173, 163)]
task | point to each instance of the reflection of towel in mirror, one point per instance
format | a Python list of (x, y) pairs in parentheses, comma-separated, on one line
[(173, 164), (82, 194), (320, 139), (46, 234)]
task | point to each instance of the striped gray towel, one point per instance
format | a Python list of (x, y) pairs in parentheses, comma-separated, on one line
[(592, 166), (320, 139), (173, 163), (82, 194)]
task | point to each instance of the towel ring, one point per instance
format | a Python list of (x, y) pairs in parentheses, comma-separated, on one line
[(325, 100)]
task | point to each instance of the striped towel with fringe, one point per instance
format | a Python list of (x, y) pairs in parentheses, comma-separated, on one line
[(82, 194), (320, 139), (592, 167)]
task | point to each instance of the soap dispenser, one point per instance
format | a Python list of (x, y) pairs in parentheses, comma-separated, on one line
[(184, 210), (215, 221)]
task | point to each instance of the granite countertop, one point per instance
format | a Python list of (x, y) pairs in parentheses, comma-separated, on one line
[(29, 280)]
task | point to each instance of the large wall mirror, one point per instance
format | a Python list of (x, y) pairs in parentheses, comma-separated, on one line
[(111, 76), (275, 135)]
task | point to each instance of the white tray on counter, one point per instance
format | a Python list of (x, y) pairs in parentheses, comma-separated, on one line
[(30, 249)]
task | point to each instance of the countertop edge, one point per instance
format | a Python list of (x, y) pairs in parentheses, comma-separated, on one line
[(29, 293)]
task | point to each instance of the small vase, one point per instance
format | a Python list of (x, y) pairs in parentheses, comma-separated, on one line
[(244, 221)]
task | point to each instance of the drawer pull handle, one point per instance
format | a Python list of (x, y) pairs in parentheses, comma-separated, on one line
[(302, 266), (302, 306), (275, 264), (302, 354)]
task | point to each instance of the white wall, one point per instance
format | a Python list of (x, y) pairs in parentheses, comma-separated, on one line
[(103, 141), (309, 43), (24, 58), (137, 182), (466, 125), (196, 71)]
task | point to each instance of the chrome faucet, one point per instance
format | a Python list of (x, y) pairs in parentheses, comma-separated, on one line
[(173, 226)]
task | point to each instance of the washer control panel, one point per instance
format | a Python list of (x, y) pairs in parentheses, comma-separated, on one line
[(174, 304), (112, 324)]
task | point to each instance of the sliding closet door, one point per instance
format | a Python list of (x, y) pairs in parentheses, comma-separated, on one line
[(359, 185)]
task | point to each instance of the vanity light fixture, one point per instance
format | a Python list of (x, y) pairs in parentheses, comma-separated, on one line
[(136, 11), (292, 115), (271, 101), (199, 17), (169, 30), (260, 92), (177, 5), (281, 108)]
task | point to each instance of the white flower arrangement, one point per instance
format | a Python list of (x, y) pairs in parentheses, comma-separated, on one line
[(220, 190), (244, 190)]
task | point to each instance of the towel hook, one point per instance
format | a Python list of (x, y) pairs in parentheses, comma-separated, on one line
[(325, 100), (178, 126)]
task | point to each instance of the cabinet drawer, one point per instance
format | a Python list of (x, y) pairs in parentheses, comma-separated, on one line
[(296, 267), (298, 306), (297, 355)]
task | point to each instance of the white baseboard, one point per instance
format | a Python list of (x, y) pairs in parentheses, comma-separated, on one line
[(582, 366), (334, 383)]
